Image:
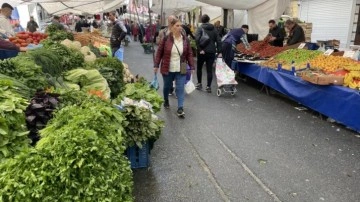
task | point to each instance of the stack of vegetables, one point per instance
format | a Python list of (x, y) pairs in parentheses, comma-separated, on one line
[(260, 49), (140, 104), (79, 157), (297, 58), (23, 39), (78, 139), (58, 35)]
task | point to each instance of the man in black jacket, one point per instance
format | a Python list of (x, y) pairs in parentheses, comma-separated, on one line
[(118, 32), (277, 34), (220, 29), (207, 53), (296, 33)]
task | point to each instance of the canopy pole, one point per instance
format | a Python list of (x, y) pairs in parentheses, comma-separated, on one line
[(152, 32), (162, 11)]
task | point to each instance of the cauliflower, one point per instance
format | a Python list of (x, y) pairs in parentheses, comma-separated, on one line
[(90, 57), (76, 45), (85, 50), (67, 43)]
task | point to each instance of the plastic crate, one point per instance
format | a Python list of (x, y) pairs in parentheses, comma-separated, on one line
[(312, 46), (293, 71), (139, 157), (4, 54)]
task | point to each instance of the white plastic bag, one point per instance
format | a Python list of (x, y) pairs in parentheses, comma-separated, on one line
[(224, 75), (189, 86)]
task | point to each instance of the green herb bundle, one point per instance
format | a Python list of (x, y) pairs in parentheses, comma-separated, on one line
[(24, 69), (140, 125), (141, 90), (13, 132)]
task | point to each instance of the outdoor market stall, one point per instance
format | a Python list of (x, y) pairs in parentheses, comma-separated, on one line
[(337, 102)]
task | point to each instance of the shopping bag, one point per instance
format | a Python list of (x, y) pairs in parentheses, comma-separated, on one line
[(119, 54), (224, 75), (188, 74), (154, 83), (189, 86)]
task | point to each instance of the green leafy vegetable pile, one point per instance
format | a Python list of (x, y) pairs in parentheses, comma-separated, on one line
[(140, 125), (112, 70), (79, 158), (87, 80), (141, 90), (13, 133), (48, 60), (24, 69), (55, 34), (70, 59)]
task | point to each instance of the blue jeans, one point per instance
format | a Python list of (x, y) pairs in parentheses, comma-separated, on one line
[(180, 84)]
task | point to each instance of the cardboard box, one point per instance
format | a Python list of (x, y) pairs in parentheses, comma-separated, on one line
[(322, 79)]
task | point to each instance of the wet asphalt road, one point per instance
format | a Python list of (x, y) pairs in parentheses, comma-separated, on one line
[(247, 147)]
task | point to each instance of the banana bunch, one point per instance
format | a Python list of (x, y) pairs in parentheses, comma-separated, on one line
[(352, 79), (352, 67)]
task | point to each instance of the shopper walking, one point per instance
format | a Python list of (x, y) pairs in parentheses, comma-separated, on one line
[(206, 54), (118, 32), (173, 50)]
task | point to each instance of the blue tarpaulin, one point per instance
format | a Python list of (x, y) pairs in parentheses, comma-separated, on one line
[(337, 102)]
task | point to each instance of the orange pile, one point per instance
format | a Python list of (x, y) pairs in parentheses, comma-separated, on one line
[(331, 63)]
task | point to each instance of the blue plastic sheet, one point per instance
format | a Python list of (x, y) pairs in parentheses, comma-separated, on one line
[(337, 102)]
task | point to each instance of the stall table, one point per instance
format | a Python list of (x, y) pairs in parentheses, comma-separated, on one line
[(337, 102)]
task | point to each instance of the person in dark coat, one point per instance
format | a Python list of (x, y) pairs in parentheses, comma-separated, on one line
[(118, 32), (234, 37), (296, 33), (188, 31), (220, 29), (206, 54), (277, 34)]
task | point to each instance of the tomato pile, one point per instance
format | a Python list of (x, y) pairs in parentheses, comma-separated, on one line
[(23, 39), (261, 48)]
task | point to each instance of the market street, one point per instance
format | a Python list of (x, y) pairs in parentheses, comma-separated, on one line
[(250, 147)]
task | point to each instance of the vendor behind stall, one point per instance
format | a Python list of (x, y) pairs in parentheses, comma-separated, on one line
[(296, 33), (5, 25), (277, 34), (233, 38)]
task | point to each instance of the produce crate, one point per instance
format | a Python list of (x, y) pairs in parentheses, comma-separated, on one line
[(139, 157), (322, 79), (4, 54)]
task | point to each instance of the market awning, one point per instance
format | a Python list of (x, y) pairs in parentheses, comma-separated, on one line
[(58, 7), (231, 4)]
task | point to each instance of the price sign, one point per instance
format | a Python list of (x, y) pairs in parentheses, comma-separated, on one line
[(349, 54), (302, 45), (328, 52)]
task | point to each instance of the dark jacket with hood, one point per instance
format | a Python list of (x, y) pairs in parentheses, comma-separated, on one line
[(215, 44), (296, 35)]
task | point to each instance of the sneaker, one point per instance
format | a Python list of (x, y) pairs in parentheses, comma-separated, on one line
[(180, 112), (208, 89), (198, 86), (172, 91), (166, 104)]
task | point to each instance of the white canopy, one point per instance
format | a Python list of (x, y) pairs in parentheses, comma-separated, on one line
[(58, 7), (233, 4)]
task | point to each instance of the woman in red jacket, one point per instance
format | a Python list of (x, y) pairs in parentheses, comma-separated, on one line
[(174, 49)]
